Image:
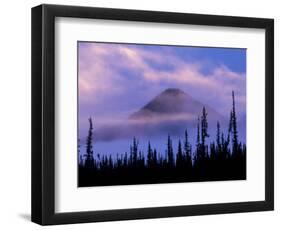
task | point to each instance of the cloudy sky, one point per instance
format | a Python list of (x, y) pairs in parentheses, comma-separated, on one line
[(116, 80)]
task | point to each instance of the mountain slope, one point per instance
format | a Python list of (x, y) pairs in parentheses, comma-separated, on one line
[(172, 103)]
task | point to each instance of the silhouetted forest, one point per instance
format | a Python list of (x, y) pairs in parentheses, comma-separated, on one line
[(222, 159)]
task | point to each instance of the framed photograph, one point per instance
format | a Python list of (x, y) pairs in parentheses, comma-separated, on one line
[(142, 114)]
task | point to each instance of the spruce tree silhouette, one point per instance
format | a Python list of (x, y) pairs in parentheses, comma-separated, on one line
[(218, 138), (204, 131), (180, 157), (170, 152), (187, 152), (234, 127), (89, 161), (149, 156), (198, 143)]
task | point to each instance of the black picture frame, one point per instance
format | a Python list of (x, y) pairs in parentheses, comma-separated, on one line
[(43, 114)]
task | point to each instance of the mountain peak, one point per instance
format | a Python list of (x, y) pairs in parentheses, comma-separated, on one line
[(173, 91), (171, 102)]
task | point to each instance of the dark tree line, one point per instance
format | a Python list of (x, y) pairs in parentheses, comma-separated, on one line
[(222, 159)]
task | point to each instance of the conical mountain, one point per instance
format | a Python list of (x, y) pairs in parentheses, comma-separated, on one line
[(170, 112), (174, 103)]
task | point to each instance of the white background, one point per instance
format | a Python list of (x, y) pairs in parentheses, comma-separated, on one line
[(15, 115), (71, 199)]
